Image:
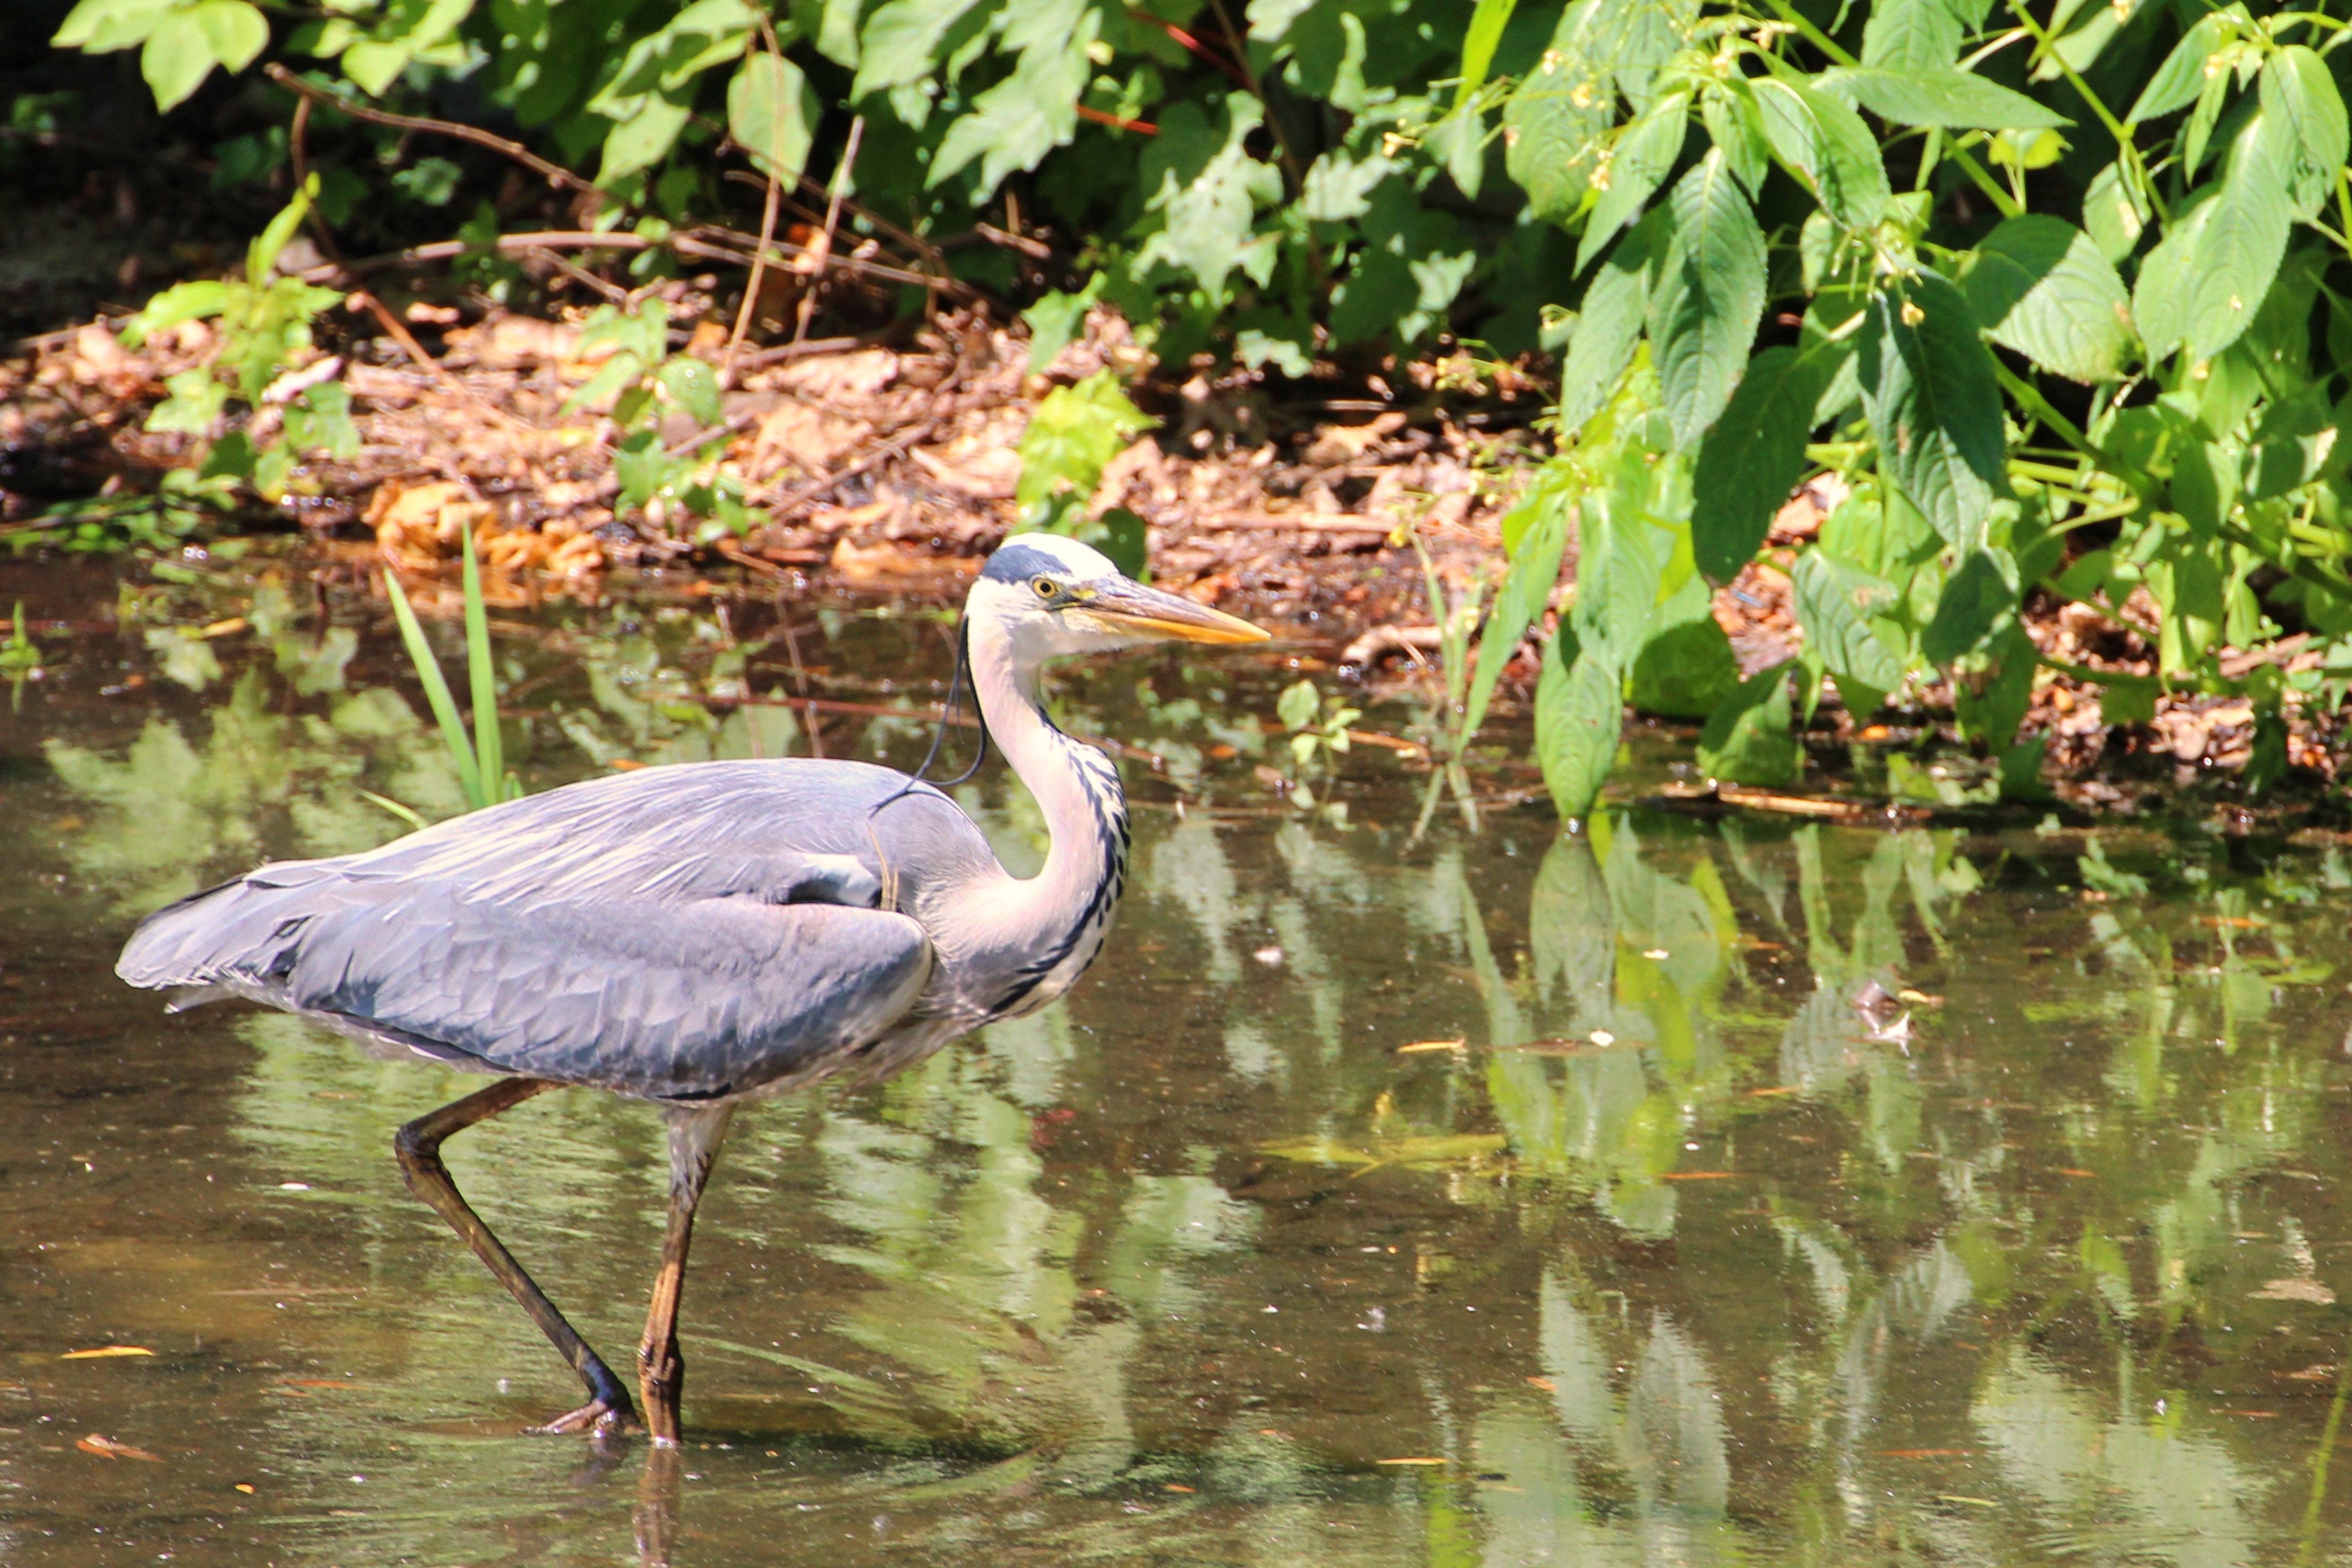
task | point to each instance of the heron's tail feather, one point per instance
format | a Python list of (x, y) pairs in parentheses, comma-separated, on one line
[(238, 936)]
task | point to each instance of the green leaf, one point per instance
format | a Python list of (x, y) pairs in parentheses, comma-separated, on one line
[(2299, 98), (2114, 213), (1912, 35), (1055, 318), (2040, 285), (198, 401), (1990, 699), (2182, 76), (1580, 716), (375, 66), (901, 43), (1750, 461), (2236, 253), (771, 112), (1934, 402), (643, 139), (1708, 297), (1734, 125), (1838, 605), (1015, 123), (1980, 600), (1750, 739), (181, 302), (1298, 705), (1828, 147), (1487, 20), (235, 31), (695, 385), (1551, 143), (176, 59), (1643, 155), (2161, 297), (1073, 434), (1616, 303), (1202, 183), (321, 421), (437, 691), (1959, 100), (1685, 670), (1338, 188), (100, 26), (1536, 533), (262, 255)]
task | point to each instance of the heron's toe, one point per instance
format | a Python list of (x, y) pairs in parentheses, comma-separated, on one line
[(604, 1417)]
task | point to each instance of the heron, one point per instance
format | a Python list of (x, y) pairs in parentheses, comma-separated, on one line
[(703, 934)]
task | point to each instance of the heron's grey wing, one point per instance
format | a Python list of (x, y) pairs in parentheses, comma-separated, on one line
[(687, 1001), (677, 933), (700, 1001)]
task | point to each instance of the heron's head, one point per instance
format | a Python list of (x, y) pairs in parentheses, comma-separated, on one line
[(1052, 597)]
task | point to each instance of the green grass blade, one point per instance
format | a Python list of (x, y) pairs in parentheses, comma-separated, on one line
[(394, 806), (436, 693), (489, 746)]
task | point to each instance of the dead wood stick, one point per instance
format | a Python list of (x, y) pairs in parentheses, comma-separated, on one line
[(811, 262), (399, 334), (554, 172), (767, 223)]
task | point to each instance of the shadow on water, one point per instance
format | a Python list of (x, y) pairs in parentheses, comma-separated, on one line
[(1509, 1199)]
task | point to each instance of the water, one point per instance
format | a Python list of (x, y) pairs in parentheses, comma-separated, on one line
[(1667, 1262)]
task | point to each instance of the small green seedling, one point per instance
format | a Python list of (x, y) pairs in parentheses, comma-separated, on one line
[(481, 760), (1319, 734)]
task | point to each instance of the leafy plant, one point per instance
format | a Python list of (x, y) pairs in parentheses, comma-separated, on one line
[(638, 379), (20, 659), (1071, 437), (1318, 735), (480, 758), (264, 327)]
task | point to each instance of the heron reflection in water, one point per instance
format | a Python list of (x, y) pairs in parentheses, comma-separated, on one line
[(702, 935)]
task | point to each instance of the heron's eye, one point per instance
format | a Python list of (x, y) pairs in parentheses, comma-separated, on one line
[(1044, 586)]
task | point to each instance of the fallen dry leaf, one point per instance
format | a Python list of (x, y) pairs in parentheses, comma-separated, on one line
[(2310, 1290), (107, 1447)]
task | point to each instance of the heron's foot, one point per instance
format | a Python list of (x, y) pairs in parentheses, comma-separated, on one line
[(604, 1417)]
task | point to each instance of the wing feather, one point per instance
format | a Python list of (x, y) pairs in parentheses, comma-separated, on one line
[(704, 933)]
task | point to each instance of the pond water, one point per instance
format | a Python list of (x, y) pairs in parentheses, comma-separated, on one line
[(1230, 1257)]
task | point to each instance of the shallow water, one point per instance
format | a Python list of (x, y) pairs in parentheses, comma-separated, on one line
[(1668, 1261)]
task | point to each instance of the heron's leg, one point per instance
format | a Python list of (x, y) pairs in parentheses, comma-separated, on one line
[(418, 1145), (694, 1138)]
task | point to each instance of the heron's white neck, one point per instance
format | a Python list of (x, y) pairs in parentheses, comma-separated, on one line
[(1056, 919)]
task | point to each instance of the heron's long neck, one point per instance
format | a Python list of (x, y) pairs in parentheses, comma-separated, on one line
[(1056, 919)]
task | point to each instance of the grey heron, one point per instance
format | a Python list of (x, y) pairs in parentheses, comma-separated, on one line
[(702, 934)]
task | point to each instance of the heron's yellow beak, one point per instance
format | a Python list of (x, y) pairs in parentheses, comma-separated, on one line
[(1132, 608)]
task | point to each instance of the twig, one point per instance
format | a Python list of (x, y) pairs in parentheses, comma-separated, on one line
[(554, 172), (759, 358), (1185, 40), (1035, 249), (399, 334), (1140, 127), (767, 225), (811, 263), (298, 154), (612, 292), (586, 239)]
